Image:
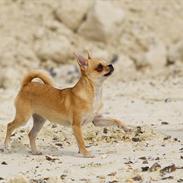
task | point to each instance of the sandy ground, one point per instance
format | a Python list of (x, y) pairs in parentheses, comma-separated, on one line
[(153, 104)]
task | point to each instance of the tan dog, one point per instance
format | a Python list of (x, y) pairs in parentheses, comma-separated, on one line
[(71, 106)]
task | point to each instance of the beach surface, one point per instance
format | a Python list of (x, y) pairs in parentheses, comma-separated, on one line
[(151, 152)]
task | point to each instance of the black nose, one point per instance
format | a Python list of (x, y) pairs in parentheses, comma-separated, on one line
[(111, 67)]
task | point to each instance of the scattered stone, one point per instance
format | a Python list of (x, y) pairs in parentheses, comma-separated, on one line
[(145, 168), (167, 100), (167, 137), (49, 158), (164, 123), (180, 180), (145, 162), (101, 177), (112, 174), (136, 139), (54, 126), (137, 178), (63, 176), (168, 169), (4, 163), (143, 158), (154, 167), (59, 144), (139, 130), (105, 130), (168, 177), (129, 162)]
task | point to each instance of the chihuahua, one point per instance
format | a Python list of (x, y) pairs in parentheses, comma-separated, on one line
[(74, 106)]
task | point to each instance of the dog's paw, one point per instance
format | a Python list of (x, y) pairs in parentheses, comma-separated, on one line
[(87, 154)]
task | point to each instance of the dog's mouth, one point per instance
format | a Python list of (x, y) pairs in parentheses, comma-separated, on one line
[(110, 71)]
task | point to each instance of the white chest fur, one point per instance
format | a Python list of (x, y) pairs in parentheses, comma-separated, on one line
[(97, 102)]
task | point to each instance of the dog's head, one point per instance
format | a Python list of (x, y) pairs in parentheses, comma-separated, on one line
[(95, 69)]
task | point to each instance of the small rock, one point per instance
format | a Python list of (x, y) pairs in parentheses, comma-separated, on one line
[(154, 167), (169, 177), (167, 137), (63, 176), (101, 177), (164, 123), (4, 163), (105, 130), (168, 169), (180, 180), (129, 162), (112, 174), (139, 130), (167, 100), (59, 144), (49, 158), (145, 168), (145, 162), (136, 139), (137, 178), (143, 158)]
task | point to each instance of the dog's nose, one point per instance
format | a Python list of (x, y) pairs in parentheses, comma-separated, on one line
[(111, 67)]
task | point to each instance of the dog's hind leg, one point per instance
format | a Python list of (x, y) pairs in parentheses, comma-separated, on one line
[(38, 123), (23, 113)]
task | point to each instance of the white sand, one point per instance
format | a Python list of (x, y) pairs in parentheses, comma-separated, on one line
[(146, 103)]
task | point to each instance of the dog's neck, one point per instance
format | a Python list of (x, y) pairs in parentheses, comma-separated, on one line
[(87, 88)]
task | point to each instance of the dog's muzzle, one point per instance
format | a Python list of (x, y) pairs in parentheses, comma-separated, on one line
[(111, 69)]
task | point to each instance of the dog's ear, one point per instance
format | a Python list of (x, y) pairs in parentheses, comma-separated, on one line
[(83, 63)]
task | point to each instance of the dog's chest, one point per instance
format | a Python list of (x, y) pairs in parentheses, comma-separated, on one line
[(96, 105)]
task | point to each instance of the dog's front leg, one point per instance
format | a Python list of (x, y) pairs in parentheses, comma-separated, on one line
[(99, 120), (79, 138)]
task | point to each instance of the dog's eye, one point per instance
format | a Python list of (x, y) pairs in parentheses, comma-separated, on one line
[(99, 68)]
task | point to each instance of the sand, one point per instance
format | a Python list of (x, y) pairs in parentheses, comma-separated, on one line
[(151, 107)]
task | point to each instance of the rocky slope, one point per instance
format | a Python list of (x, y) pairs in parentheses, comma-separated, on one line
[(140, 35)]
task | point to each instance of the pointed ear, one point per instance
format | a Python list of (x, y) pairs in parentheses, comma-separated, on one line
[(83, 63), (89, 57)]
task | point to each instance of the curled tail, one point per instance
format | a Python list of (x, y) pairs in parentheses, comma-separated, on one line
[(37, 74)]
